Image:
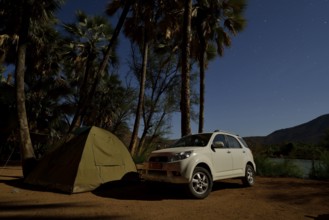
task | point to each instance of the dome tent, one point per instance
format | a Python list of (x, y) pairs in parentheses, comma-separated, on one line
[(94, 157)]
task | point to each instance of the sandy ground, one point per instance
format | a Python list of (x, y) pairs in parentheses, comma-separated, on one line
[(270, 198)]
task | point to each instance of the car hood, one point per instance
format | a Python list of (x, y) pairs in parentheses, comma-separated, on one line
[(177, 150)]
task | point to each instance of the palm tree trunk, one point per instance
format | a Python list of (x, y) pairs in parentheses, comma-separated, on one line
[(114, 37), (202, 64), (83, 96), (185, 90), (202, 91), (27, 152)]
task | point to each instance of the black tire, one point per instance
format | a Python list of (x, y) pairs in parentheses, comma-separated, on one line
[(249, 178), (201, 183)]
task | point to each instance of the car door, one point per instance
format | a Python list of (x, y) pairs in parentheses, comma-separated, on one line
[(222, 158), (238, 155)]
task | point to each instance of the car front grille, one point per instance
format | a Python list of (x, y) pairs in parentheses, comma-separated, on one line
[(160, 159), (158, 172)]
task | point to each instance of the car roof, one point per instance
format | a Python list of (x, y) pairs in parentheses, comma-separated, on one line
[(226, 132), (219, 132)]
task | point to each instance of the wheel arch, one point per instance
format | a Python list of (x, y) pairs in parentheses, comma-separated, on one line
[(201, 161), (252, 164), (205, 166)]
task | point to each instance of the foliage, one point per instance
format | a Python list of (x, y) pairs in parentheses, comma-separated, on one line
[(318, 154), (266, 167), (292, 151), (321, 168), (2, 70), (83, 51), (139, 159), (54, 69), (325, 141), (162, 83), (112, 106), (155, 144), (61, 79)]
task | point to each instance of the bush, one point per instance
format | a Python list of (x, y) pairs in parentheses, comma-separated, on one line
[(266, 167), (139, 159), (321, 168)]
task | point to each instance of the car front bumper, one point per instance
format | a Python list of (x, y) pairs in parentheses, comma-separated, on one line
[(174, 172)]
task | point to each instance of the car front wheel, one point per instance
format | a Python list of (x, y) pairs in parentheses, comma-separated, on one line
[(249, 178), (201, 183)]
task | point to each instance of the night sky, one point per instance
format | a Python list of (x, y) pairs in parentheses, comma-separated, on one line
[(274, 76)]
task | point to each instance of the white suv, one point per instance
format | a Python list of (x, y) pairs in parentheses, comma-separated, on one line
[(199, 159)]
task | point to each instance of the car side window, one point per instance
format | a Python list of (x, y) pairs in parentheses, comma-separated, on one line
[(233, 143), (221, 137)]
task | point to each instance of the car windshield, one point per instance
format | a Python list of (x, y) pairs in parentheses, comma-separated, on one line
[(199, 140)]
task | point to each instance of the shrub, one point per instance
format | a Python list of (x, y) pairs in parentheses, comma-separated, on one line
[(139, 159), (267, 167), (321, 168)]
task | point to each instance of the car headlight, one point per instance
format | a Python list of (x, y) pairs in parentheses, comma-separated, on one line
[(180, 156)]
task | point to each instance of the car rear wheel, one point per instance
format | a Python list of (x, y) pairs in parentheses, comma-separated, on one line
[(249, 178), (201, 183)]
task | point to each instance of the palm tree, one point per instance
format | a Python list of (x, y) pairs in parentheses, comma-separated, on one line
[(45, 87), (142, 21), (20, 17), (215, 22), (162, 81), (140, 28), (185, 89), (84, 48), (111, 8), (99, 72)]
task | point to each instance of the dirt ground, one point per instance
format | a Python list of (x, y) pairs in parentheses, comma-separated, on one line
[(270, 198)]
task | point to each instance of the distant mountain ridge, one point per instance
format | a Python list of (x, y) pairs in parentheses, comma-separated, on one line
[(311, 132)]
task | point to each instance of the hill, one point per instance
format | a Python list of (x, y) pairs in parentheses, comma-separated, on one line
[(311, 132)]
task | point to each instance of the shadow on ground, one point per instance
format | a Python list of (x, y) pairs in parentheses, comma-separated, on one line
[(319, 217), (27, 209), (19, 184), (133, 190), (152, 190)]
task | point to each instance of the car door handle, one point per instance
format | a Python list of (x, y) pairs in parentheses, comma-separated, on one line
[(228, 152)]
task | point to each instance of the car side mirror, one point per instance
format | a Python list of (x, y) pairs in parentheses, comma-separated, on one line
[(218, 144)]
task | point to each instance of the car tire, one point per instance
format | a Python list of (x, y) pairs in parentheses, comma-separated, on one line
[(201, 183), (249, 178)]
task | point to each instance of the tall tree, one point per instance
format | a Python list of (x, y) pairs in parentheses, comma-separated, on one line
[(133, 142), (84, 47), (185, 89), (24, 14), (112, 42), (140, 28), (27, 152), (215, 22), (162, 81), (111, 8), (45, 89)]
